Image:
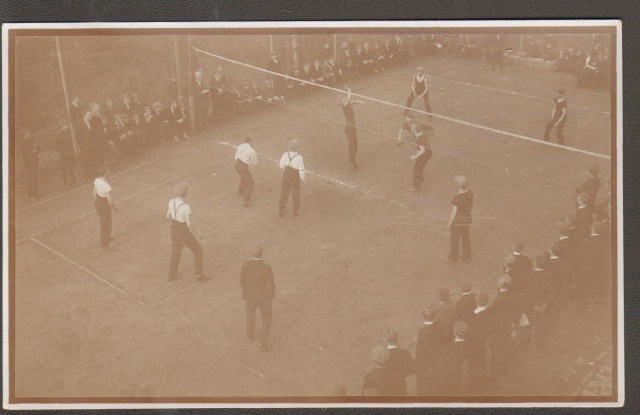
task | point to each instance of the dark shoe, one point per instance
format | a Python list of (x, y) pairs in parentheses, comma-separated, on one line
[(247, 204)]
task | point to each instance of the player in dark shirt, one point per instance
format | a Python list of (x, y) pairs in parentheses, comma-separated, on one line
[(346, 103), (592, 185), (460, 221), (558, 117)]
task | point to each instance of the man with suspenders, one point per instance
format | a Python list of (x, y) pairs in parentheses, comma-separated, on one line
[(293, 166), (182, 233)]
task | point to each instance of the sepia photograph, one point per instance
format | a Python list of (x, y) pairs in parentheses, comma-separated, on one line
[(296, 214)]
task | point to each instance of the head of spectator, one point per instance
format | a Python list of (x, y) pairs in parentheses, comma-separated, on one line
[(95, 109), (316, 64), (257, 252), (126, 99), (146, 111), (87, 117), (135, 97), (376, 46), (482, 299), (293, 145), (117, 120), (75, 99), (518, 248), (593, 170), (135, 119), (157, 106), (198, 76), (540, 261), (332, 61), (391, 338), (296, 72), (274, 56), (326, 46), (358, 48), (173, 104), (465, 287), (306, 66), (461, 182), (584, 199), (504, 282), (218, 70), (460, 330), (108, 103), (444, 294), (428, 314), (338, 390), (380, 356)]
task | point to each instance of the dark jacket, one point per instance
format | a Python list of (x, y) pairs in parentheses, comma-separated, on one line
[(256, 279), (465, 306), (398, 367)]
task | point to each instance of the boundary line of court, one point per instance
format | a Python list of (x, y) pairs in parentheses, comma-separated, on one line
[(203, 143), (96, 276), (482, 127), (522, 95)]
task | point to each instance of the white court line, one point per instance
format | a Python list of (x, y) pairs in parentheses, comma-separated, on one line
[(482, 127), (520, 94), (87, 271)]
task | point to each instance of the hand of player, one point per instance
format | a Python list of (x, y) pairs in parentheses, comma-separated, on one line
[(412, 157), (448, 226)]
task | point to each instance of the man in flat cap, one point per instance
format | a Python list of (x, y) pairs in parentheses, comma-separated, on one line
[(399, 365), (258, 290), (428, 348), (376, 377), (466, 303), (183, 233)]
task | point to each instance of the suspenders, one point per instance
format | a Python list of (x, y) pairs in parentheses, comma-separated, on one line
[(175, 211), (291, 159)]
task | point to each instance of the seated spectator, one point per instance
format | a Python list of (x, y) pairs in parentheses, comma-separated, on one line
[(160, 123), (318, 73), (267, 92), (171, 117), (327, 73), (378, 54), (122, 137), (336, 70), (183, 121)]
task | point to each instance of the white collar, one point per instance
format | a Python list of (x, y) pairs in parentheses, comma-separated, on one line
[(563, 237), (480, 309), (392, 346), (501, 290), (427, 323), (257, 259), (457, 340)]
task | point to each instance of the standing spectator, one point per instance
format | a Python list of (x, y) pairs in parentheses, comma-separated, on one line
[(318, 73), (258, 290), (183, 233), (219, 96), (64, 146), (136, 105), (346, 103), (558, 117), (200, 94), (460, 221), (293, 165), (419, 91), (275, 65), (583, 216), (183, 119), (30, 159), (389, 54), (520, 269), (246, 156), (447, 312), (75, 113), (399, 365), (506, 317), (161, 123), (422, 157), (88, 148), (328, 73), (427, 351), (174, 119), (466, 303), (346, 64), (591, 186), (104, 204), (454, 363), (376, 377), (481, 325)]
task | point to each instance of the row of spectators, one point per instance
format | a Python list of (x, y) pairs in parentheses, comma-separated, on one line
[(465, 346)]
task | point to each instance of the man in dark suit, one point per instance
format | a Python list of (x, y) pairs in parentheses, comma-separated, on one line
[(219, 94), (172, 115), (481, 325), (592, 185), (345, 62), (376, 377), (258, 290), (506, 318), (520, 267), (399, 366), (75, 114), (466, 303), (200, 95), (64, 146), (427, 350), (454, 364), (447, 312), (160, 123), (88, 148)]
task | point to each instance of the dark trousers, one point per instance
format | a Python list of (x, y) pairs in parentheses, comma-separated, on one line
[(33, 181), (290, 184), (410, 99), (246, 181), (426, 381), (67, 162), (181, 236), (350, 131), (550, 124), (104, 212), (266, 312), (418, 170), (201, 116), (459, 232)]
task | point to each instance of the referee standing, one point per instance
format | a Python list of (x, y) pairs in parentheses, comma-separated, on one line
[(182, 233), (246, 156), (258, 290)]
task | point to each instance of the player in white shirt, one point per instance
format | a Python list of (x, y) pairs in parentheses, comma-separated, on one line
[(103, 203), (182, 233), (293, 166), (246, 156)]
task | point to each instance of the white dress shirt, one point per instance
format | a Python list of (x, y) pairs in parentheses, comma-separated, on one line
[(246, 154), (296, 162)]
